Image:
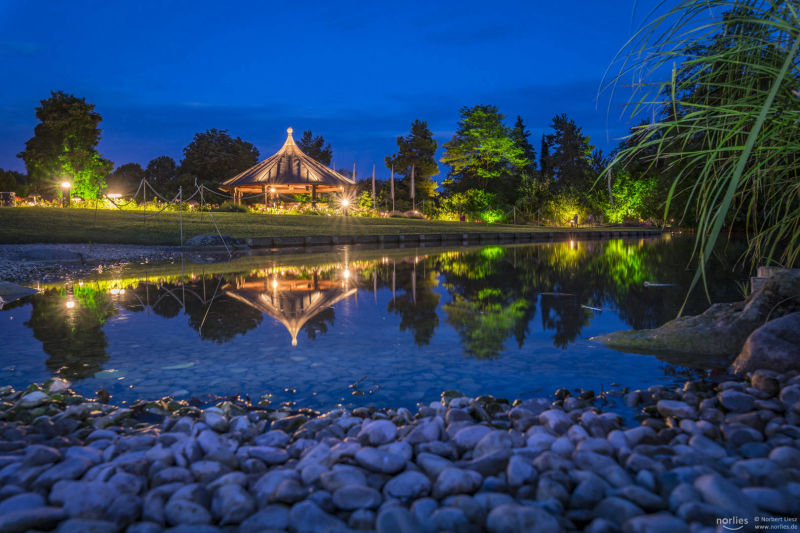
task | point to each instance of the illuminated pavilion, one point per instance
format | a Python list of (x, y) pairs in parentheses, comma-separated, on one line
[(289, 171)]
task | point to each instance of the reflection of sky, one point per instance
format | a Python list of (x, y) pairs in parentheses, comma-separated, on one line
[(356, 72), (151, 353)]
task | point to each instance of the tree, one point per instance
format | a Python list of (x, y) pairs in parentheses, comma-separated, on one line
[(544, 159), (162, 173), (482, 152), (734, 117), (570, 161), (316, 148), (63, 147), (520, 136), (214, 156), (125, 178), (11, 180), (417, 150)]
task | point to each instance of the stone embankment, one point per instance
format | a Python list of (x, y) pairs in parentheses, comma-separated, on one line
[(701, 453), (21, 263)]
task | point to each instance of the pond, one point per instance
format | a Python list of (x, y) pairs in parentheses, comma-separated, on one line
[(353, 327)]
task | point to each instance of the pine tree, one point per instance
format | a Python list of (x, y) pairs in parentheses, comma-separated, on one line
[(417, 149), (316, 148)]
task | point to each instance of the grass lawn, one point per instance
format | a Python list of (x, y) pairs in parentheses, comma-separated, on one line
[(54, 225)]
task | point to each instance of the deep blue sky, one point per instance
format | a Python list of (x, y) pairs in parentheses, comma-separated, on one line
[(356, 72)]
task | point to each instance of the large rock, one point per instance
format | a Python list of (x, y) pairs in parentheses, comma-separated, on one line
[(773, 346), (721, 331)]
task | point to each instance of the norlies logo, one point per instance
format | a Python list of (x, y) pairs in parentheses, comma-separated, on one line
[(733, 524)]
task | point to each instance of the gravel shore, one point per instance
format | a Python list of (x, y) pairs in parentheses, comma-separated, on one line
[(26, 263), (701, 453)]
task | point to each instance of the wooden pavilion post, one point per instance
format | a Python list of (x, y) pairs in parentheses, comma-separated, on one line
[(264, 190), (314, 196)]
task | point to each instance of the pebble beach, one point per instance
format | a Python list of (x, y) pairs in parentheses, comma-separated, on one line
[(712, 452)]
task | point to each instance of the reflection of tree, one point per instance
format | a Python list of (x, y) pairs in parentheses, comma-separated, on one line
[(72, 337), (483, 326), (564, 315), (489, 304), (319, 323), (596, 274), (418, 302), (219, 319)]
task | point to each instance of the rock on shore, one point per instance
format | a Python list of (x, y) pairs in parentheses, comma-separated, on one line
[(721, 331), (701, 452)]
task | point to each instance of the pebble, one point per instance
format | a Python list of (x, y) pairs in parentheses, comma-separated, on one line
[(232, 504), (351, 497), (407, 486), (380, 461), (456, 481), (182, 512), (676, 408), (514, 518), (701, 452), (378, 432)]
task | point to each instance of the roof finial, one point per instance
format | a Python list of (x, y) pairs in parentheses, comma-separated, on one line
[(289, 131)]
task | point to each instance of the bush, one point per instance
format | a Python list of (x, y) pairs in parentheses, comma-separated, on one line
[(231, 207)]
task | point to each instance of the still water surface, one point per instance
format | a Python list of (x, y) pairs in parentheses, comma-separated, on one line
[(356, 327)]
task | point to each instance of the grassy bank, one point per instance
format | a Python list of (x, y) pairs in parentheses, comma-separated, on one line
[(52, 225)]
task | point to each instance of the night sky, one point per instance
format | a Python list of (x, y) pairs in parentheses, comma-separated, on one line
[(356, 72)]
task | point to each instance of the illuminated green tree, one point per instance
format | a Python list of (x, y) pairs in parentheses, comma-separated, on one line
[(63, 147), (483, 154)]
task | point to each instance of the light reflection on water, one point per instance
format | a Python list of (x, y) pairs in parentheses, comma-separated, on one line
[(390, 327)]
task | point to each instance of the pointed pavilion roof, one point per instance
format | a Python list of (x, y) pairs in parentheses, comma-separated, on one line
[(291, 303), (288, 167)]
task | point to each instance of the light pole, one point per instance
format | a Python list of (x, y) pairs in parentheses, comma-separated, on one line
[(65, 187)]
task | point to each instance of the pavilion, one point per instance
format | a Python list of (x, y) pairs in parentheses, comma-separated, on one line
[(289, 171)]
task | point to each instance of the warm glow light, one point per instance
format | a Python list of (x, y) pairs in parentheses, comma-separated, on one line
[(114, 195), (345, 202), (572, 245), (272, 189), (114, 291), (346, 274), (66, 184), (274, 283), (70, 304)]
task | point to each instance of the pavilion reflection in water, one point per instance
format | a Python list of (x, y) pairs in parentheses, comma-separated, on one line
[(292, 302)]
